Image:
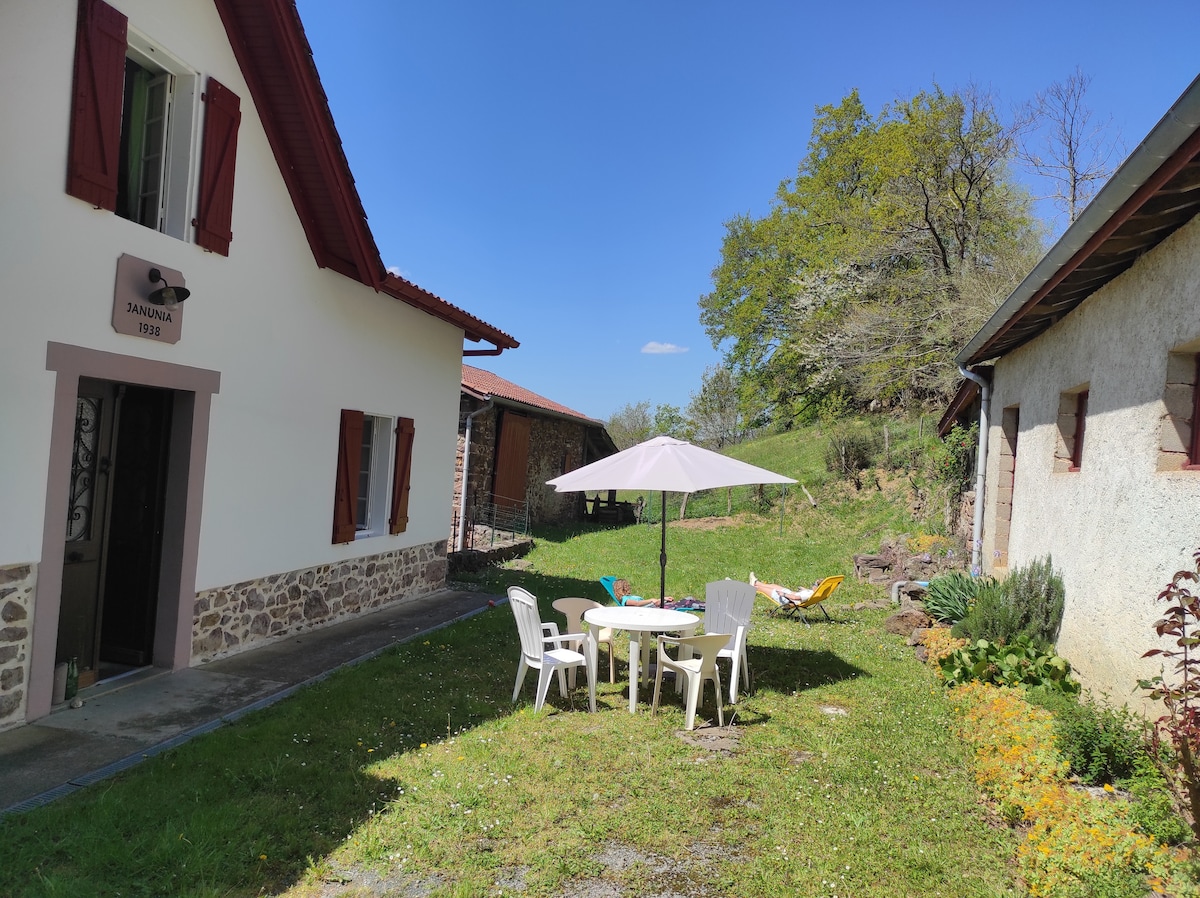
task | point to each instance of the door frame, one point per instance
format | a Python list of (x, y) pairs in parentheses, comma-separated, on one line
[(187, 458)]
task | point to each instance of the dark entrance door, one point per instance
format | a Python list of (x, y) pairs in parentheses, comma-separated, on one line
[(114, 531)]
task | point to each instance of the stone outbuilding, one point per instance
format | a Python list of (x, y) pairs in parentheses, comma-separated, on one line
[(510, 442), (1090, 410)]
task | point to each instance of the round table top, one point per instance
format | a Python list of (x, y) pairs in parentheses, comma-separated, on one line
[(639, 617)]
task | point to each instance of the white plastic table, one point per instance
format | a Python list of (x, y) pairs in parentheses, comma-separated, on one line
[(635, 621)]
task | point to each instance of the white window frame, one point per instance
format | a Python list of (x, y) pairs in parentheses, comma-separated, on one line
[(180, 169), (379, 476)]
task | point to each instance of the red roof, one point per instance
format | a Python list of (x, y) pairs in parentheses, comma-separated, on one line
[(485, 384), (276, 59)]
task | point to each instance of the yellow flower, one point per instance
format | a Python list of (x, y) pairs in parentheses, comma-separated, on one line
[(262, 857), (1108, 787)]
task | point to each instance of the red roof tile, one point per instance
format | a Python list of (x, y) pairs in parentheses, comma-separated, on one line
[(485, 383)]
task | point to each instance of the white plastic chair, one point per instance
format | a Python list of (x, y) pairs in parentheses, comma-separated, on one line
[(573, 609), (728, 605), (535, 637), (697, 670)]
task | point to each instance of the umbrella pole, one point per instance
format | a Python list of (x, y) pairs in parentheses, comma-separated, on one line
[(662, 557)]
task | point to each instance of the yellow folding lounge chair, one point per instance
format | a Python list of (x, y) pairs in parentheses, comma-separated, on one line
[(790, 608)]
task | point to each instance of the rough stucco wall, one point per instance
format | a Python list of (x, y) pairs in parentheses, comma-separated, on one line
[(1118, 528)]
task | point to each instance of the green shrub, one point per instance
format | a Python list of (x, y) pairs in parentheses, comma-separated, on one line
[(949, 596), (954, 458), (852, 448), (991, 616), (1102, 744), (1028, 603), (1152, 810), (1036, 592), (1019, 663)]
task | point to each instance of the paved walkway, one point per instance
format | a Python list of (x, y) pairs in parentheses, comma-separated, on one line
[(123, 721)]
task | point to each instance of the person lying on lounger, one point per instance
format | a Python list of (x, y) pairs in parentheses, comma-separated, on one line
[(780, 592), (623, 591)]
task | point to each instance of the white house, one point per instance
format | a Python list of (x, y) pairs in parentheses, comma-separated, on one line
[(181, 480), (1092, 408)]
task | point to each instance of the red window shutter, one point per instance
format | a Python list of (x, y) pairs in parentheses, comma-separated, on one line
[(214, 208), (401, 475), (345, 494), (96, 101)]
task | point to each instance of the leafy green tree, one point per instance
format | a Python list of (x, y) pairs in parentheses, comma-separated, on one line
[(631, 424), (715, 410), (669, 421), (877, 261)]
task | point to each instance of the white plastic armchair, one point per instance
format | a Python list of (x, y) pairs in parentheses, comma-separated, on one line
[(700, 668), (573, 609), (542, 647), (727, 608)]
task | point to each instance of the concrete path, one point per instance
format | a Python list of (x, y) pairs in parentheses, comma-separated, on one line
[(125, 720)]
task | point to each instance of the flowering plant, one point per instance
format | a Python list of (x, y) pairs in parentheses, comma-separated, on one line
[(1181, 723)]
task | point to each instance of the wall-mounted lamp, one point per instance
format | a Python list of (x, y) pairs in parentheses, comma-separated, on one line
[(166, 295)]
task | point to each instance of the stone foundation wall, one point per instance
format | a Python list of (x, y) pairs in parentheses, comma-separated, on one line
[(231, 619), (17, 583)]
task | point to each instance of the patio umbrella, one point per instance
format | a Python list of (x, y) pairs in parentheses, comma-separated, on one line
[(667, 465)]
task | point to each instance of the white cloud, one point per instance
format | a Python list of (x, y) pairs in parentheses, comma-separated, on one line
[(655, 348)]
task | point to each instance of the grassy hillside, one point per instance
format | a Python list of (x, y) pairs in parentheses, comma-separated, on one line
[(782, 537)]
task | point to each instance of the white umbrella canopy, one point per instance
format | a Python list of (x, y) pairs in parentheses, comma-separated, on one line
[(667, 465)]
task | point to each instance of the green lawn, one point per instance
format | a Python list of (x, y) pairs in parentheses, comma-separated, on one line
[(415, 774)]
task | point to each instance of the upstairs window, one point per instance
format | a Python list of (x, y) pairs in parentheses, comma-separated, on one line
[(133, 124)]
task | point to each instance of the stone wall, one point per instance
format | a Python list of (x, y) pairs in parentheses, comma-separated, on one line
[(231, 619), (16, 603), (555, 447)]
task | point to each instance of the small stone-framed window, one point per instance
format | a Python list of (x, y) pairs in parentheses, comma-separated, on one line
[(1179, 435), (1072, 422)]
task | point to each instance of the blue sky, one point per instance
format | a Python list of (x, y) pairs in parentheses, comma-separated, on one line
[(563, 170)]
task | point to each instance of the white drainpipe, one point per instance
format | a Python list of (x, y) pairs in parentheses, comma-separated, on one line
[(462, 501), (985, 398)]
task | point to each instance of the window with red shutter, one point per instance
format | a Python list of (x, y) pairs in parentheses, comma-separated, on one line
[(214, 209), (401, 475), (97, 97), (132, 136)]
